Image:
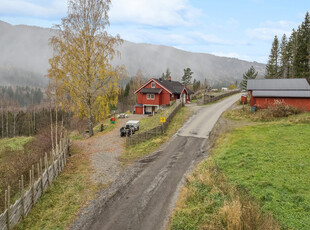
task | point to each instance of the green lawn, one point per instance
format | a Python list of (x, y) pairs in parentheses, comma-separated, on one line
[(151, 122), (13, 144), (257, 177), (271, 162)]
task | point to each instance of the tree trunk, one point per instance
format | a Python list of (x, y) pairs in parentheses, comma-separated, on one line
[(2, 123), (56, 127), (62, 123), (90, 125), (34, 120), (52, 134), (7, 123), (14, 123)]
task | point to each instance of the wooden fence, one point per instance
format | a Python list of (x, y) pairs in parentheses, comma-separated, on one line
[(209, 98), (46, 174), (158, 130)]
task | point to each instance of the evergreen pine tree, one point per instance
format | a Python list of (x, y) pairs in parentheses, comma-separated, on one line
[(187, 77), (302, 59), (250, 74), (165, 76), (291, 51), (272, 67), (284, 57)]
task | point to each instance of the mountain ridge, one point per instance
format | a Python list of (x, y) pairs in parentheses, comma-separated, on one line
[(26, 48)]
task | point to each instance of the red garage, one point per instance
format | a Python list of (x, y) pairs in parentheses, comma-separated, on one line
[(265, 92)]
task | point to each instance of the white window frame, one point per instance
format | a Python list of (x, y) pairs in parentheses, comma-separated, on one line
[(153, 85), (150, 96)]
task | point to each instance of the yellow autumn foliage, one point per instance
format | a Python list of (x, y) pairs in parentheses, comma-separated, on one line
[(80, 68)]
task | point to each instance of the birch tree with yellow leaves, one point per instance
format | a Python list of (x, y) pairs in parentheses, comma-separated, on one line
[(81, 66)]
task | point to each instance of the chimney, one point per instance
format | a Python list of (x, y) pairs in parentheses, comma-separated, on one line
[(169, 78)]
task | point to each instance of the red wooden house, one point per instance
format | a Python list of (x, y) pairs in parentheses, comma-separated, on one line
[(265, 92), (156, 93)]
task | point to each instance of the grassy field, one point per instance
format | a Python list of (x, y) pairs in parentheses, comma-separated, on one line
[(57, 208), (14, 156), (257, 175), (151, 122), (136, 151)]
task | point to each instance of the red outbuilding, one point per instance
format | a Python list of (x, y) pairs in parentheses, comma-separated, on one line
[(156, 93), (265, 92)]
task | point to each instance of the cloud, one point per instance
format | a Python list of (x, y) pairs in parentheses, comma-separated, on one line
[(154, 12), (33, 8), (269, 29), (210, 38), (261, 59)]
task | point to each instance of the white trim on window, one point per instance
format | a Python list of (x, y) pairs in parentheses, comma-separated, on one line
[(150, 96), (153, 84)]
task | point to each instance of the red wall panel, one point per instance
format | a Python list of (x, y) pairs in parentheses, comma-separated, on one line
[(301, 103)]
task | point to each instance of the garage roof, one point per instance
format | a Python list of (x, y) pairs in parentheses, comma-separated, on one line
[(278, 84), (278, 93)]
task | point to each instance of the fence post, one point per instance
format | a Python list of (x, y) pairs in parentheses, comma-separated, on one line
[(32, 184), (46, 168), (41, 171), (22, 196), (9, 208)]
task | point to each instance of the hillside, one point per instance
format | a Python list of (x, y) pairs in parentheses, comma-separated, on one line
[(25, 53)]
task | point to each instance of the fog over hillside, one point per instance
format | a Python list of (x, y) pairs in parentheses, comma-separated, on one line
[(25, 52)]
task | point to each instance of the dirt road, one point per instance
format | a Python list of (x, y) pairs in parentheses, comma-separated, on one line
[(145, 194)]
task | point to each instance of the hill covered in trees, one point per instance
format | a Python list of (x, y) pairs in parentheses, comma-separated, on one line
[(25, 53)]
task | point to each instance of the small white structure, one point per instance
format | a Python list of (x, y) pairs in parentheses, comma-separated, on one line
[(224, 89), (135, 124)]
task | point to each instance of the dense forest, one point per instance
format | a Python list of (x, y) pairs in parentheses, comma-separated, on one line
[(290, 57), (22, 96)]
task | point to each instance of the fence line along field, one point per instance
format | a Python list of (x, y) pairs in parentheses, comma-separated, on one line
[(46, 171)]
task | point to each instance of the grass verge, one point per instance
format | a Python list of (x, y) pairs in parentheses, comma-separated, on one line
[(153, 121), (57, 208), (253, 173), (136, 151)]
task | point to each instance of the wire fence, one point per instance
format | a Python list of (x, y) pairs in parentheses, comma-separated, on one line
[(46, 171), (158, 130)]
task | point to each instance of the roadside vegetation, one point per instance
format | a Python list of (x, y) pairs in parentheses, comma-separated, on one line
[(136, 151), (255, 178), (16, 157), (57, 208), (153, 121)]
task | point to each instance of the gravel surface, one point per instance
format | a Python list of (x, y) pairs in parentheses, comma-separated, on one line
[(105, 150), (145, 193)]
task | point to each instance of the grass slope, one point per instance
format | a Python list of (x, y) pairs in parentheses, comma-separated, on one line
[(57, 208), (271, 161), (257, 177)]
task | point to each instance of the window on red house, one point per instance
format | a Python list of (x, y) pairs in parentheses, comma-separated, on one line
[(150, 96), (153, 85)]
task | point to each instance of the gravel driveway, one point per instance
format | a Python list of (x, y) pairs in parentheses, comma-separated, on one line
[(105, 150)]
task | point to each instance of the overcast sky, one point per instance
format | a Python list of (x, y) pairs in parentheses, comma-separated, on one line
[(234, 28)]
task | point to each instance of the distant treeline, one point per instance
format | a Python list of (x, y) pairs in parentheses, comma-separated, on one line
[(22, 77), (290, 58), (30, 122), (23, 96)]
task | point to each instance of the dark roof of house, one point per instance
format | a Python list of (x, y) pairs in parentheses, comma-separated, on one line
[(175, 87), (284, 93), (138, 105), (151, 90), (278, 84)]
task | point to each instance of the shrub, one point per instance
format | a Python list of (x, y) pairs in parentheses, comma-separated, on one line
[(279, 109)]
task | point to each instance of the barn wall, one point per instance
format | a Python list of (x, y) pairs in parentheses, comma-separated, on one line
[(301, 103)]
